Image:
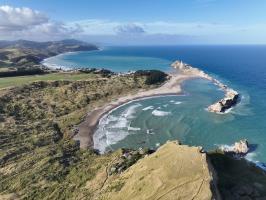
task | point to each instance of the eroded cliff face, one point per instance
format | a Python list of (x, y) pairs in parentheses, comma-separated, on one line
[(173, 172)]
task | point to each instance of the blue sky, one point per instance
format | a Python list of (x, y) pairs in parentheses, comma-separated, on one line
[(136, 21)]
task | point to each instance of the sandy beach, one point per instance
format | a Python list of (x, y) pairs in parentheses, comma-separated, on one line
[(171, 87)]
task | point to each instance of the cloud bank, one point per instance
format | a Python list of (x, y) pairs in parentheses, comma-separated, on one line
[(17, 19), (26, 23), (129, 29)]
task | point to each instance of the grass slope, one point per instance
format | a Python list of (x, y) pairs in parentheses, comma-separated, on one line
[(22, 80), (38, 158)]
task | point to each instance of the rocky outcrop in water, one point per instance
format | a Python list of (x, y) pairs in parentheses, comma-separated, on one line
[(231, 96), (230, 100), (241, 147)]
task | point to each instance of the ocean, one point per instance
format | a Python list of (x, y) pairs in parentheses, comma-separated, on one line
[(153, 121)]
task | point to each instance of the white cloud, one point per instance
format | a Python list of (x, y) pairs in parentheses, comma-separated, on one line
[(17, 19), (54, 30), (25, 23), (96, 26), (103, 27), (129, 29)]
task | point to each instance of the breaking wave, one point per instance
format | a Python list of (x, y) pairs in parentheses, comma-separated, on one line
[(160, 113), (113, 129), (148, 108)]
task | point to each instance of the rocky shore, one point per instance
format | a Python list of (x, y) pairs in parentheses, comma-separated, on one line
[(231, 97), (240, 148)]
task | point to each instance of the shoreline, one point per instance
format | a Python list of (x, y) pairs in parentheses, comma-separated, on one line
[(87, 128), (173, 86), (222, 106), (61, 67)]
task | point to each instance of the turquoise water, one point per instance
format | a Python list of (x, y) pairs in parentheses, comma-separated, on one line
[(109, 58), (151, 122)]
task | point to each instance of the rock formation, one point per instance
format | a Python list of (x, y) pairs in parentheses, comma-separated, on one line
[(230, 99), (241, 147), (231, 96)]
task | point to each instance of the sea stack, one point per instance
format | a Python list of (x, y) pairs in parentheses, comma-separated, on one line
[(241, 147), (230, 100)]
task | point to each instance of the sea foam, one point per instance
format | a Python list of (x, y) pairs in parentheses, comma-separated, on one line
[(112, 129), (160, 113), (148, 108)]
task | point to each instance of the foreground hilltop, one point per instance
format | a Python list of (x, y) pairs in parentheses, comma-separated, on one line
[(23, 53), (166, 174)]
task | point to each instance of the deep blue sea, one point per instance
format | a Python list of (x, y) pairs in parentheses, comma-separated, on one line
[(151, 122)]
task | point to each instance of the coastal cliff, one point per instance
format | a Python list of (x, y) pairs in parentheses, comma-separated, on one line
[(165, 174), (231, 96), (176, 171)]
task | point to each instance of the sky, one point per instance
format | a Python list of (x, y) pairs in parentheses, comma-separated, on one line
[(135, 22)]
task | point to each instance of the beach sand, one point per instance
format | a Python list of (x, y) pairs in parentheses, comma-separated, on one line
[(171, 87)]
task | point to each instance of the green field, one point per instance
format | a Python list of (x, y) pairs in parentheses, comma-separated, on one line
[(21, 80)]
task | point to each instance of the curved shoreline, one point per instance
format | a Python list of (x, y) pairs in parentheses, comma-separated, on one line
[(171, 87), (91, 121), (62, 67)]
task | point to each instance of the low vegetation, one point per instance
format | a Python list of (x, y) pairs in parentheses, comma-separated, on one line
[(21, 80), (38, 158), (153, 76), (23, 57)]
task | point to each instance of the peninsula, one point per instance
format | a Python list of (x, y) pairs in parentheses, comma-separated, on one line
[(23, 57), (231, 97), (172, 86)]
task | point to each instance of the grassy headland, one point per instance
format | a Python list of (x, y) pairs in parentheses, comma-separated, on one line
[(39, 159), (21, 57)]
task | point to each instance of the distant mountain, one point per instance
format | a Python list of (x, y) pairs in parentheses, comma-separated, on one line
[(26, 53), (51, 45)]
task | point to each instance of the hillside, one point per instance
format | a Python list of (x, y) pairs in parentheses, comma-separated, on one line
[(166, 174), (38, 158), (23, 53)]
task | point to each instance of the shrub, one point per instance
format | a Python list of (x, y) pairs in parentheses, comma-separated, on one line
[(153, 76)]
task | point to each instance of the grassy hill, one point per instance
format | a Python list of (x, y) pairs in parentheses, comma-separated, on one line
[(38, 158), (23, 53)]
